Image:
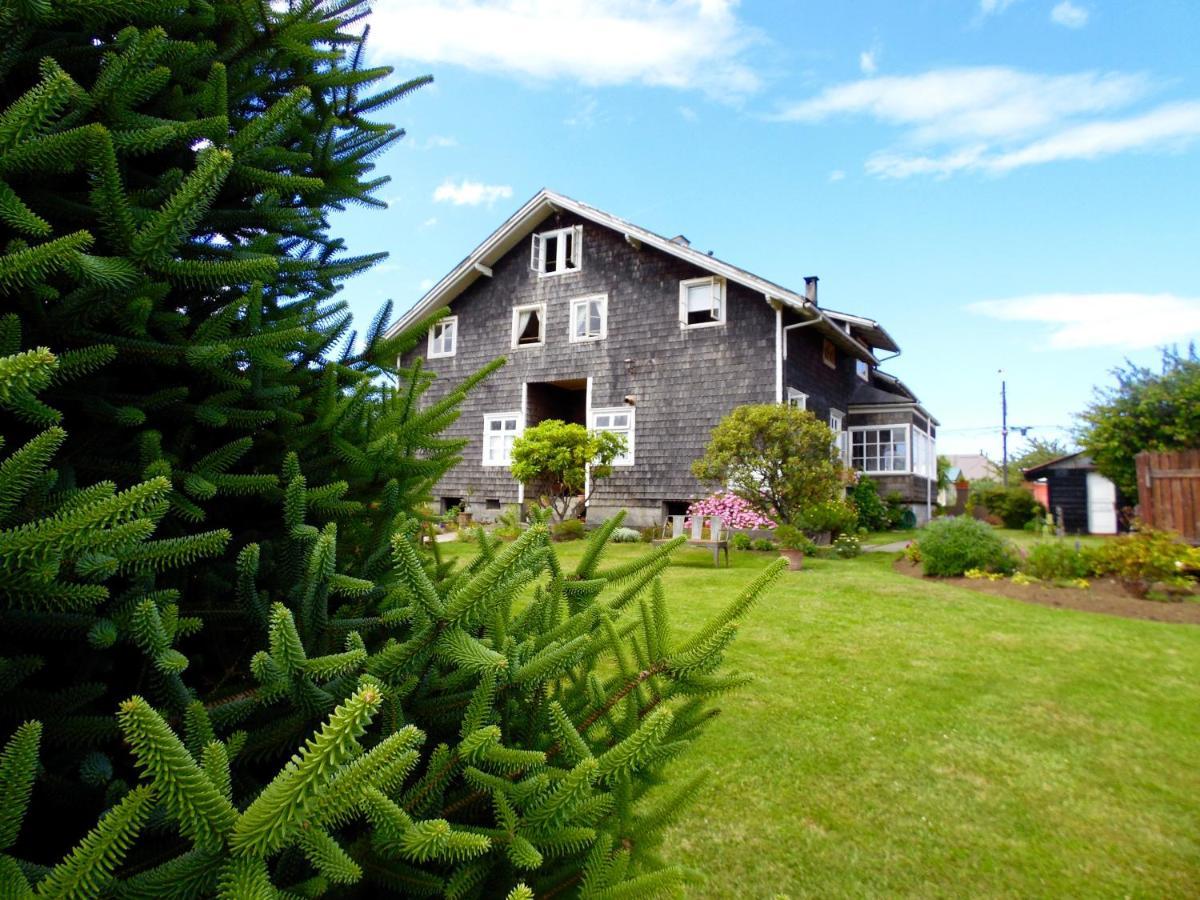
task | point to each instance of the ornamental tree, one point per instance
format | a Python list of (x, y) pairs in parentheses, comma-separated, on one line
[(1145, 410), (780, 460), (565, 459), (732, 510)]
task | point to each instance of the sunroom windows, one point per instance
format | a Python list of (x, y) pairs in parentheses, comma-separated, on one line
[(893, 449), (500, 431), (618, 420), (443, 338), (589, 318), (701, 302), (557, 252)]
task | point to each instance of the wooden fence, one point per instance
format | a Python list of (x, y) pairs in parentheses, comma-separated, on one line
[(1169, 491)]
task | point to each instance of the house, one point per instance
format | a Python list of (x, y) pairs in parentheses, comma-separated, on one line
[(612, 326), (1079, 497)]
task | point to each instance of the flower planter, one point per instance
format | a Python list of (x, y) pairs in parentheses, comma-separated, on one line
[(464, 520), (795, 558)]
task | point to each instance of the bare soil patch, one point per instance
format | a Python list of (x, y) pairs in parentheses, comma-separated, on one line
[(1104, 596)]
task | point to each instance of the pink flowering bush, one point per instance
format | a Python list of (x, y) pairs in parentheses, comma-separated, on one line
[(732, 510)]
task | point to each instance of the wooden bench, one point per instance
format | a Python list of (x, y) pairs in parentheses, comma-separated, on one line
[(716, 541)]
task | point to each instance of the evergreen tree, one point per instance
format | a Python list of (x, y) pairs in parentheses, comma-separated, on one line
[(228, 663)]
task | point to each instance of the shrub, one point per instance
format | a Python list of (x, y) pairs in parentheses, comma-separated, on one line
[(1146, 554), (570, 457), (1057, 561), (508, 523), (847, 546), (951, 546), (763, 544), (912, 552), (740, 541), (650, 534), (626, 536), (1013, 506), (568, 530), (872, 514), (834, 516), (791, 538), (732, 510)]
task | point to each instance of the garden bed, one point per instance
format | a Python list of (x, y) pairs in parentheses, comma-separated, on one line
[(1103, 596)]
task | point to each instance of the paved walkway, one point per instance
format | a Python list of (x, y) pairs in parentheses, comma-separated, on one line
[(894, 547)]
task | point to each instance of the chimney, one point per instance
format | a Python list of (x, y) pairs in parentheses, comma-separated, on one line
[(810, 289), (681, 241)]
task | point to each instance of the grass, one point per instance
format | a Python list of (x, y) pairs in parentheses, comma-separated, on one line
[(912, 738)]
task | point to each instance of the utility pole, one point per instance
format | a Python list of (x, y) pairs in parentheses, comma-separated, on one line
[(1004, 425)]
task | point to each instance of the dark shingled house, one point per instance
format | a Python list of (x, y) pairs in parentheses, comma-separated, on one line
[(615, 327)]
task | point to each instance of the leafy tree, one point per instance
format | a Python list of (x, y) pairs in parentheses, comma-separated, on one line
[(1145, 410), (567, 458), (227, 665), (1034, 452), (944, 465), (780, 460)]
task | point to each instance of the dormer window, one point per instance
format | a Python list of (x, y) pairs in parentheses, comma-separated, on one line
[(556, 252), (443, 338), (701, 302)]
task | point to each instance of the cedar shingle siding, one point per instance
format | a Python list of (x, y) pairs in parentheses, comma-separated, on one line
[(682, 381)]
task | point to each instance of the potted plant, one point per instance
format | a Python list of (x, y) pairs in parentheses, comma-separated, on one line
[(792, 545), (464, 514)]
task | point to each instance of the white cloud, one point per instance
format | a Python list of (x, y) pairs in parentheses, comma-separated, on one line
[(1069, 15), (994, 7), (427, 224), (996, 119), (585, 116), (1078, 321), (684, 44), (868, 63), (837, 175), (470, 193), (688, 114)]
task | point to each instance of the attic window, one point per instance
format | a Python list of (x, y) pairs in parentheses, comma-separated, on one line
[(556, 252), (829, 354), (529, 325), (443, 338), (862, 370), (701, 302)]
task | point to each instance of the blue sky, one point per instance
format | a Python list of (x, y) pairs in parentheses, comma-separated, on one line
[(1004, 184)]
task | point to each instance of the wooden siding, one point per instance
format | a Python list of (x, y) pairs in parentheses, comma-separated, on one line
[(1169, 491), (1069, 498)]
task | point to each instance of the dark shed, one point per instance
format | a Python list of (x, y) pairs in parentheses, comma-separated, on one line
[(1082, 499)]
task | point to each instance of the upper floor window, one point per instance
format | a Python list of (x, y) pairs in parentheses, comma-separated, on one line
[(558, 251), (529, 325), (862, 370), (829, 353), (879, 450), (701, 302), (589, 318), (797, 399), (443, 337), (619, 421), (500, 432)]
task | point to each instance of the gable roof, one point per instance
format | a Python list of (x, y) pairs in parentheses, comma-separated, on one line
[(519, 225), (1077, 460)]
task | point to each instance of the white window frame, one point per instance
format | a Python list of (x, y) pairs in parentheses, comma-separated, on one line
[(718, 291), (517, 430), (862, 369), (837, 424), (585, 302), (516, 318), (797, 399), (563, 264), (452, 322), (893, 426), (626, 459), (924, 463)]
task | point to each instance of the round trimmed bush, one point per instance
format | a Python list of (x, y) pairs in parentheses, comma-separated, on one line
[(949, 547)]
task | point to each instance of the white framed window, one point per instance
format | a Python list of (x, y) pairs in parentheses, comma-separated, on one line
[(618, 420), (880, 450), (500, 431), (557, 252), (862, 370), (529, 325), (589, 318), (443, 337), (924, 454), (701, 302), (797, 399), (837, 424)]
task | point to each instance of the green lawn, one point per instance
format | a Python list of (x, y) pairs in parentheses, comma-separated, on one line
[(906, 738)]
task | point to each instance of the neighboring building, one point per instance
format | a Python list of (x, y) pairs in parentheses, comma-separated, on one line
[(609, 325), (1079, 497), (971, 466)]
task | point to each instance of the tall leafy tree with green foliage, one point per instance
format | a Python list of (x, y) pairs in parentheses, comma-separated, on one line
[(1145, 410), (565, 458), (228, 665)]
